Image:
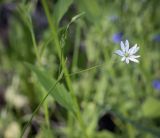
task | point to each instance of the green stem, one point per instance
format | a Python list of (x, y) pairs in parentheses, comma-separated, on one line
[(70, 125), (64, 68), (34, 44), (38, 107), (76, 48), (85, 70), (46, 114), (39, 63)]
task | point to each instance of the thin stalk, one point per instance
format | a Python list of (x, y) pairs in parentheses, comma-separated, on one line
[(34, 44), (27, 19), (70, 125), (41, 50), (46, 114), (64, 68), (39, 63), (38, 107), (76, 48), (85, 70)]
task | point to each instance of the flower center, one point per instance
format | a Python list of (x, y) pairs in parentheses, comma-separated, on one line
[(126, 55)]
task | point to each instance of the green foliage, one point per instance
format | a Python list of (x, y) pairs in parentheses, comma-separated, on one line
[(60, 94), (151, 107), (61, 8), (91, 81)]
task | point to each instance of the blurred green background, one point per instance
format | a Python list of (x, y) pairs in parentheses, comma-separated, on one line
[(116, 100)]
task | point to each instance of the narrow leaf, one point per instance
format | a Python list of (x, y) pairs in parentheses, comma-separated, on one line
[(61, 8), (60, 94)]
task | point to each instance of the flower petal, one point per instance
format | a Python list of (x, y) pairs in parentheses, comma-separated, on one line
[(130, 51), (127, 60), (127, 46), (134, 56), (122, 46), (119, 52), (133, 59), (123, 58), (135, 50)]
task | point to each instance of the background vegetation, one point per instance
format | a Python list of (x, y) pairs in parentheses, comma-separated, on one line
[(59, 77)]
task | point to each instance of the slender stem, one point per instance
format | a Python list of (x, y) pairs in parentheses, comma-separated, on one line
[(39, 63), (41, 50), (38, 107), (27, 19), (64, 68), (70, 125), (76, 48), (85, 70), (46, 114), (34, 43)]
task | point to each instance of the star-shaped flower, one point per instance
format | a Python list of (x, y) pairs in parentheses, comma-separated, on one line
[(128, 54)]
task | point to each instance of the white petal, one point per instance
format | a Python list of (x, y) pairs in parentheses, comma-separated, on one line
[(127, 46), (132, 49), (135, 50), (133, 59), (127, 60), (123, 58), (122, 46), (134, 56), (119, 52)]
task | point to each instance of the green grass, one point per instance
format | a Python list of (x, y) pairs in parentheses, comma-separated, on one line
[(58, 81)]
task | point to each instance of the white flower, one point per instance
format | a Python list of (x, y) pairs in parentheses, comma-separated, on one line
[(128, 54)]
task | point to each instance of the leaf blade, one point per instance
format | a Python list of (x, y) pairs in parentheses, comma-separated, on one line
[(61, 8), (60, 94)]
